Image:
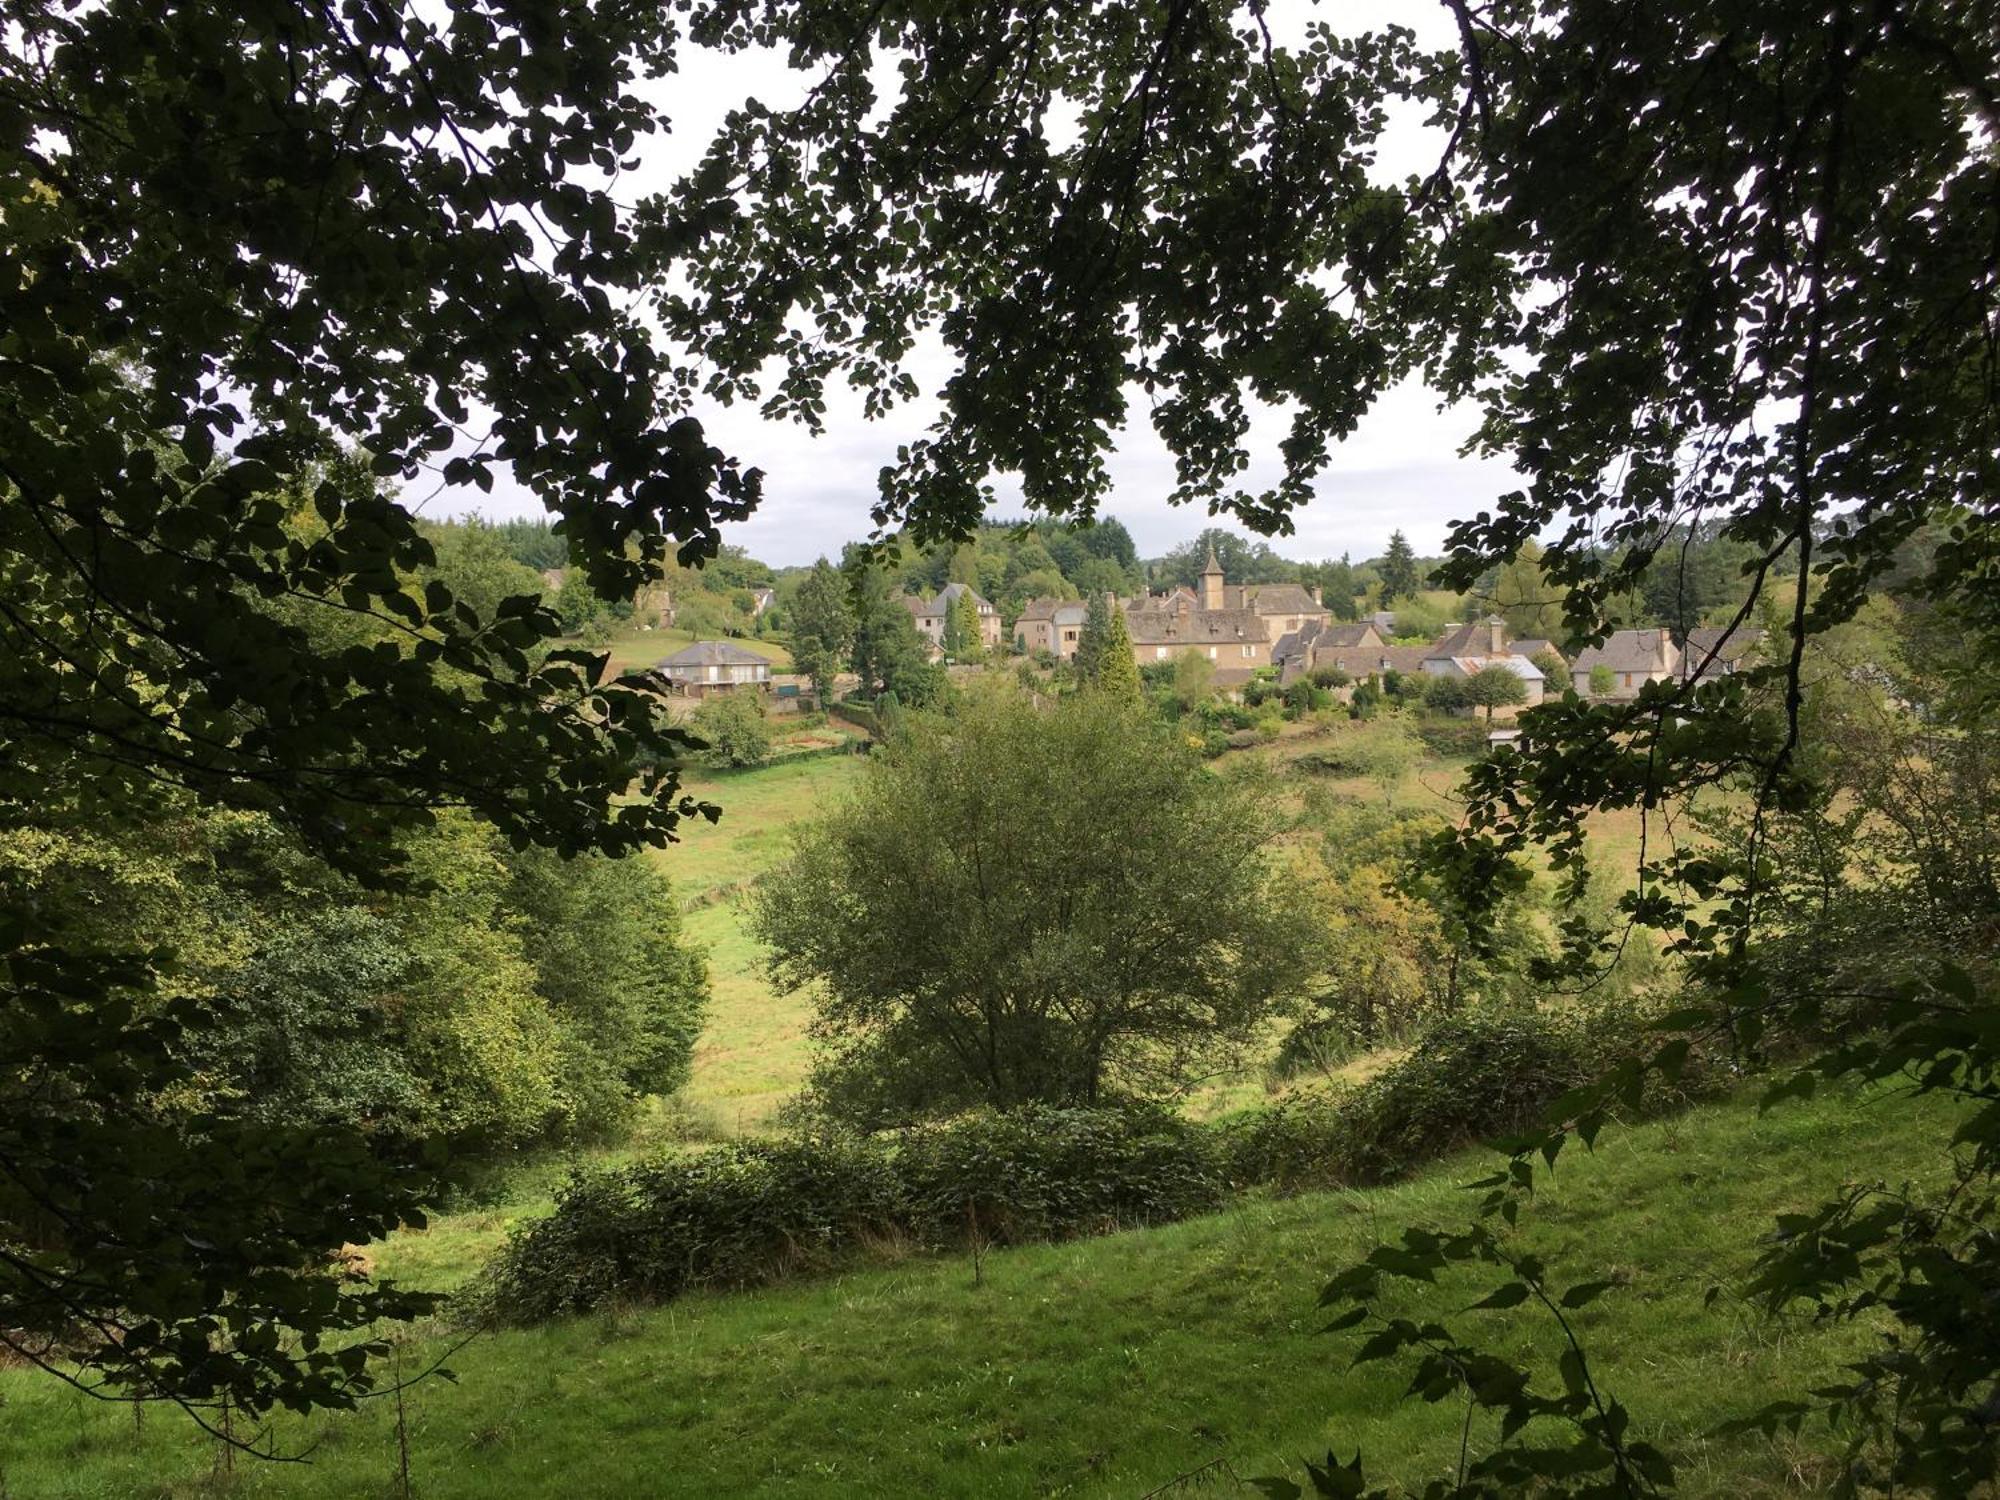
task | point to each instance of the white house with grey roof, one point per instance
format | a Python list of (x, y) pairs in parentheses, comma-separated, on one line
[(710, 667)]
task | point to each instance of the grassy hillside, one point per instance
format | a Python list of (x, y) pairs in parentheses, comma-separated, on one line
[(753, 1053), (1102, 1367)]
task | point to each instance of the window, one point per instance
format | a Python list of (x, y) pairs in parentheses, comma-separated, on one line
[(1159, 653), (1249, 651), (1069, 635), (1211, 653)]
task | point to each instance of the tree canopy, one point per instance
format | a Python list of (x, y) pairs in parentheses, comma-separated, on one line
[(1021, 904)]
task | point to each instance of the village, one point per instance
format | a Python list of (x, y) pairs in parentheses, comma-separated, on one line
[(1248, 634)]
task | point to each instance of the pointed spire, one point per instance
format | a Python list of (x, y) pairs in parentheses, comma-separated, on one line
[(1213, 565)]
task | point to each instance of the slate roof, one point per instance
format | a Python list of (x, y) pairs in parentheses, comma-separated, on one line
[(712, 654), (1729, 653), (1280, 599), (1348, 633), (1535, 646), (1057, 611), (1650, 650), (1520, 666), (948, 596), (1315, 638), (1161, 627), (1472, 639)]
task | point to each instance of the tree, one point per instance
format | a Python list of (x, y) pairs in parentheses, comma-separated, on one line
[(1092, 639), (1445, 693), (822, 628), (1494, 687), (961, 630), (1603, 681), (890, 654), (1530, 604), (1398, 571), (1117, 670), (1056, 905), (1554, 670), (734, 730), (1194, 680)]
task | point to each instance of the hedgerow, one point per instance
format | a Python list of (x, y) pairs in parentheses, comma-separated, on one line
[(749, 1213)]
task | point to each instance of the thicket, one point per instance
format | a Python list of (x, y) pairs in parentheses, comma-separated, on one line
[(749, 1213)]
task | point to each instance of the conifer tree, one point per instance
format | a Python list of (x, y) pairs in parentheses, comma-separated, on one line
[(1399, 571), (1117, 668)]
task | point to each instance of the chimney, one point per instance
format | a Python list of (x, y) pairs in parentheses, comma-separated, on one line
[(1316, 597), (1496, 632)]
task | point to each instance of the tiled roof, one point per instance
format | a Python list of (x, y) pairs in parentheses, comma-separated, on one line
[(1630, 651), (1280, 599), (1161, 627), (712, 654)]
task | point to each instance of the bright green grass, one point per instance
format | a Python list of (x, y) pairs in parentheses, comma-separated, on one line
[(1101, 1367), (753, 1053)]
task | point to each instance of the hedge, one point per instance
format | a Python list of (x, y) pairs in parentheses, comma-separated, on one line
[(746, 1214)]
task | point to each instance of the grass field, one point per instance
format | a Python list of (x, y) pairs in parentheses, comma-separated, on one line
[(753, 1053), (1098, 1368)]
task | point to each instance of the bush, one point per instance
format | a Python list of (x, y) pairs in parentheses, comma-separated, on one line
[(734, 730), (1473, 1076), (1243, 739), (1330, 677), (1452, 736), (744, 1214), (1045, 1174)]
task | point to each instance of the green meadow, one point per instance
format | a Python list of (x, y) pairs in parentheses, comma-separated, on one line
[(1103, 1367)]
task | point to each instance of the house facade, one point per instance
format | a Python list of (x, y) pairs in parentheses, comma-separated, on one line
[(1051, 625), (1301, 652), (710, 667), (1633, 658), (931, 615), (1710, 651)]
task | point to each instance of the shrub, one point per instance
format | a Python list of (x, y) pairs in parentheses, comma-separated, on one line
[(1452, 736), (1042, 1173), (1299, 1144), (1330, 677), (1472, 1076), (1243, 739), (745, 1214), (734, 730)]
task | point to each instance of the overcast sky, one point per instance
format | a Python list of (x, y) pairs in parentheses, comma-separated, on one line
[(1401, 469)]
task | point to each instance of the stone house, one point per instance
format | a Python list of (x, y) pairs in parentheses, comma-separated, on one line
[(1233, 625), (1632, 657), (1051, 625), (710, 667), (1298, 653), (931, 615), (1724, 651)]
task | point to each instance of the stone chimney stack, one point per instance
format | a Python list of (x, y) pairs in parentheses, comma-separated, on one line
[(1496, 633)]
